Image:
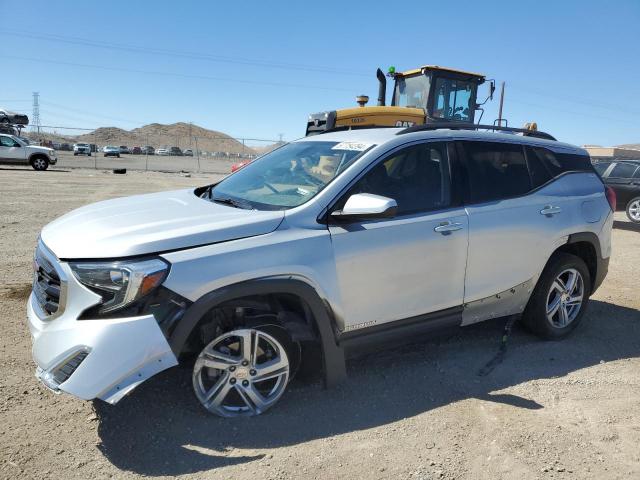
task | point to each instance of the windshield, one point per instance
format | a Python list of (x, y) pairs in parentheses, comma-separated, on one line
[(411, 91), (287, 177)]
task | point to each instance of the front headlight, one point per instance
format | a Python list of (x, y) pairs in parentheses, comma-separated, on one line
[(120, 283)]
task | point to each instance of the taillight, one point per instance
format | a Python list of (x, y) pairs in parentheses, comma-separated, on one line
[(611, 197)]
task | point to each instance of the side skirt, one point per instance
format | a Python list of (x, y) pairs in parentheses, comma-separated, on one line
[(402, 331)]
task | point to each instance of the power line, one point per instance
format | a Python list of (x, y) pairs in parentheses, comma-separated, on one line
[(90, 114), (179, 54), (174, 74)]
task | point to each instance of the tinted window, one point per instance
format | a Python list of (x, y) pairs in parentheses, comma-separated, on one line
[(415, 177), (8, 142), (601, 167), (572, 162), (495, 171), (623, 170), (537, 160)]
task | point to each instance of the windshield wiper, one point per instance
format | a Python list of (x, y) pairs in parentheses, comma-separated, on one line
[(233, 203)]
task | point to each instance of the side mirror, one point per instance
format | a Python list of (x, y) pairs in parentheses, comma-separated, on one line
[(362, 206)]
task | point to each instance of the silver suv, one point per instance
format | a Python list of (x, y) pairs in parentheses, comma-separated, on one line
[(325, 244)]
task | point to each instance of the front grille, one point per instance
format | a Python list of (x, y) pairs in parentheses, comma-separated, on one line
[(47, 285)]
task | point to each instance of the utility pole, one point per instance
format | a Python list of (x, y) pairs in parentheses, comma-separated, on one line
[(35, 116), (280, 135)]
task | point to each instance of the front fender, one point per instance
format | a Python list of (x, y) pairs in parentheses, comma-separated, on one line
[(332, 353)]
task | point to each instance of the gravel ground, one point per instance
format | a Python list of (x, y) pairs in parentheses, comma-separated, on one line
[(551, 410)]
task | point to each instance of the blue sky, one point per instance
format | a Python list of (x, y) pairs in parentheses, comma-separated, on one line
[(256, 69)]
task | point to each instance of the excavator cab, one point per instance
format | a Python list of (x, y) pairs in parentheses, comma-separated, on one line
[(443, 93), (422, 95)]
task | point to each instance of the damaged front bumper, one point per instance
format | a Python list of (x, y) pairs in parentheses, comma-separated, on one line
[(89, 359)]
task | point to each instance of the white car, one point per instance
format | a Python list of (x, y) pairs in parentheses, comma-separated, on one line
[(162, 152), (14, 151), (82, 149)]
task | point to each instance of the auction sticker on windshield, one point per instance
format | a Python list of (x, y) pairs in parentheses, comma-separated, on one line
[(356, 147)]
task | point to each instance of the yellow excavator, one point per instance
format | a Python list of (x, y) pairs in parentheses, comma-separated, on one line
[(423, 95)]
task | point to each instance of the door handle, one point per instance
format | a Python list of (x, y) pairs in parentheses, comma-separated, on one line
[(550, 210), (445, 228)]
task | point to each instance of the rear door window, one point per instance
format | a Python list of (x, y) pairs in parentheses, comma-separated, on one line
[(537, 160), (623, 170), (495, 171)]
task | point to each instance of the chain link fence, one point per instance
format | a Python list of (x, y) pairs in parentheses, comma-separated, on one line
[(173, 148)]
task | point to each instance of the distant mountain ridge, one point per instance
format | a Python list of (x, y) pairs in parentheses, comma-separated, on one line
[(158, 135)]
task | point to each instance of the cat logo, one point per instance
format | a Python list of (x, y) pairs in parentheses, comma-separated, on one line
[(400, 123)]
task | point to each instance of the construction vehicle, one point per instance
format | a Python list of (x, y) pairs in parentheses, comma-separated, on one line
[(422, 95)]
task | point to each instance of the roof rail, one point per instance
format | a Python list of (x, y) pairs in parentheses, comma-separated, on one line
[(474, 126)]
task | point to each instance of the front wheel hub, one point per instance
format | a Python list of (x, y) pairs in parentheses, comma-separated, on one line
[(242, 372)]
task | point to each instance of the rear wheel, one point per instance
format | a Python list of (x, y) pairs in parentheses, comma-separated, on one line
[(40, 163), (243, 372), (633, 210), (560, 298)]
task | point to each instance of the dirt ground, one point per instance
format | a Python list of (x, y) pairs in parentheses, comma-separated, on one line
[(551, 410)]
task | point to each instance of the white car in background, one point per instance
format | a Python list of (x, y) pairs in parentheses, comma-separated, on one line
[(163, 152), (82, 149), (14, 151)]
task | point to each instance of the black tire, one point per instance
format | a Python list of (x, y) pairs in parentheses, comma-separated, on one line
[(535, 315), (40, 163), (118, 156), (75, 154), (635, 204)]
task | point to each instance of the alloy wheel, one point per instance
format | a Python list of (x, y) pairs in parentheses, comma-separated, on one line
[(634, 210), (242, 372), (39, 164), (565, 298)]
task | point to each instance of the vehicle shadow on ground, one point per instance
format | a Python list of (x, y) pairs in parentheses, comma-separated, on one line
[(52, 170), (630, 226), (160, 429)]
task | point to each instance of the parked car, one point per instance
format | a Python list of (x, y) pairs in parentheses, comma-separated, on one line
[(111, 151), (14, 151), (188, 153), (148, 150), (175, 151), (162, 152), (624, 177), (13, 118), (328, 243), (94, 148), (82, 149), (124, 149), (136, 151), (66, 147), (237, 166)]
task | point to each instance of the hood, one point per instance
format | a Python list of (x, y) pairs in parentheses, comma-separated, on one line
[(39, 149), (146, 224)]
